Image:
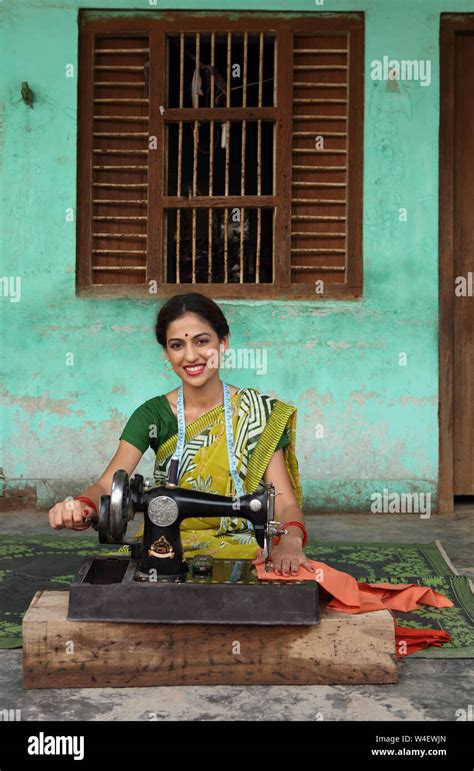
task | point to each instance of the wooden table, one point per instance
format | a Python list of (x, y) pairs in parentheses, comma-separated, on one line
[(341, 649)]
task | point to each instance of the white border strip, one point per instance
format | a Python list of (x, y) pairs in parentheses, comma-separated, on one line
[(443, 552)]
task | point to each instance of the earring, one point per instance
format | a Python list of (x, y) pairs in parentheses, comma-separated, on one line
[(167, 361)]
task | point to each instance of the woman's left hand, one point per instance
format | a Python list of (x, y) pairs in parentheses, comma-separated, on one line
[(287, 556)]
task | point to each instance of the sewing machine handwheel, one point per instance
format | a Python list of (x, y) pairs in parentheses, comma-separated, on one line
[(120, 506), (136, 488), (103, 520)]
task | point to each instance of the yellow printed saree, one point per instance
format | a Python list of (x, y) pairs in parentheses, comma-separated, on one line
[(259, 421)]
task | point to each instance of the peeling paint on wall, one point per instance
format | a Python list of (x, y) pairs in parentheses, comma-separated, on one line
[(337, 362)]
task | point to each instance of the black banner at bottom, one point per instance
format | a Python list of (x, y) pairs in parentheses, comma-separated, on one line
[(83, 744)]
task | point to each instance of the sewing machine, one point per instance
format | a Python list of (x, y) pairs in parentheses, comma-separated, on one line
[(156, 585)]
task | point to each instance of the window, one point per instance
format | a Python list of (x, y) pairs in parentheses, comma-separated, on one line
[(220, 154)]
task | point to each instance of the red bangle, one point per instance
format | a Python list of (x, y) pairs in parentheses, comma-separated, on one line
[(298, 524), (87, 500), (89, 503)]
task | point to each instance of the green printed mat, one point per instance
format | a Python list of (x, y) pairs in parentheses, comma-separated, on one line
[(48, 562), (423, 564)]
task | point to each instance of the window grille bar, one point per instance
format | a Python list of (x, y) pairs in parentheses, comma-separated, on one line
[(180, 156), (242, 159), (210, 216), (259, 159)]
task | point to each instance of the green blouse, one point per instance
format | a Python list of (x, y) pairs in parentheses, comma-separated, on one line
[(154, 422)]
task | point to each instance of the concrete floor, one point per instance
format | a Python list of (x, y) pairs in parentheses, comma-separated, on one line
[(427, 689)]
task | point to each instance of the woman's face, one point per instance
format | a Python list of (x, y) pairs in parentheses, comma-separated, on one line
[(194, 349)]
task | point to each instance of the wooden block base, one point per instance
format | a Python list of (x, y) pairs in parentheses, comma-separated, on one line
[(341, 649)]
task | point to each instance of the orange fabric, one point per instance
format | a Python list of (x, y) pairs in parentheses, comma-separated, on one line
[(351, 596), (409, 640)]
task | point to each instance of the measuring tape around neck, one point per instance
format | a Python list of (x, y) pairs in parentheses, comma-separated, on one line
[(229, 438)]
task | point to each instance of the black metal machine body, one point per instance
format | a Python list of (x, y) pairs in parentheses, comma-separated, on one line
[(157, 585)]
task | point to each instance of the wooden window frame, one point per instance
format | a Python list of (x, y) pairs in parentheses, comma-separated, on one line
[(348, 25), (451, 24)]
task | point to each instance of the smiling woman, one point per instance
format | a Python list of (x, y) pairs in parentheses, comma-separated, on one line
[(194, 334)]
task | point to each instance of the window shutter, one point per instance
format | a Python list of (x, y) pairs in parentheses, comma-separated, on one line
[(113, 185), (326, 178)]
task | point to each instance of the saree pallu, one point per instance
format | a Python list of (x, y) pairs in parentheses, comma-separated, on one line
[(259, 422)]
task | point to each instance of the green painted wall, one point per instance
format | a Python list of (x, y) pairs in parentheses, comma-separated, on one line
[(338, 362)]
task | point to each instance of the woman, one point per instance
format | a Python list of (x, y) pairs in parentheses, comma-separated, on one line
[(193, 332)]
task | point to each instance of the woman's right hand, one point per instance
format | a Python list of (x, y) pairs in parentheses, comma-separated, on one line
[(69, 514)]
